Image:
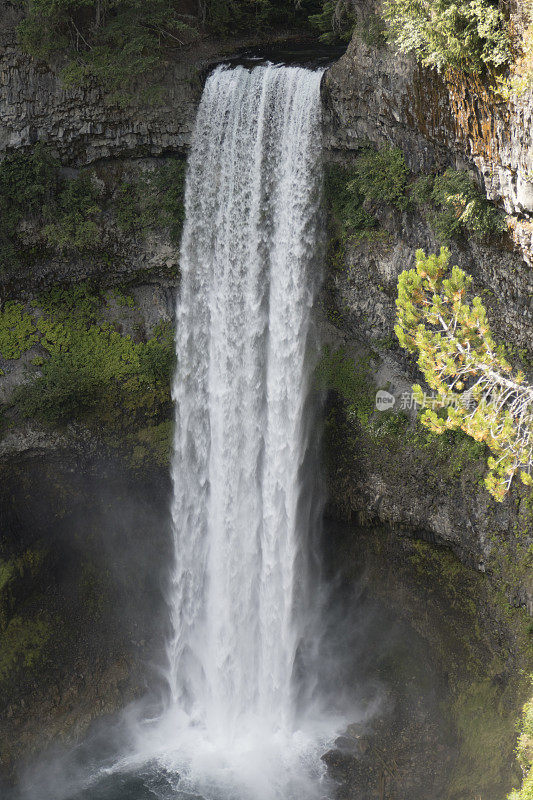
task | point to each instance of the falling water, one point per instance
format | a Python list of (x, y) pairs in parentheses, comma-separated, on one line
[(248, 278), (241, 509)]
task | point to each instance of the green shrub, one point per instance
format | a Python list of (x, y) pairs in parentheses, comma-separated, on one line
[(346, 202), (157, 356), (350, 379), (76, 215), (77, 304), (522, 74), (24, 644), (243, 16), (469, 36), (381, 176), (377, 177), (167, 196), (460, 206), (127, 205), (28, 181), (17, 331), (82, 367), (155, 200), (354, 194), (422, 190), (92, 371), (123, 300), (153, 445), (372, 30), (31, 187)]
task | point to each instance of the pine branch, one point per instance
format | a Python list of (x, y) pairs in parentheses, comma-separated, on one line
[(459, 360)]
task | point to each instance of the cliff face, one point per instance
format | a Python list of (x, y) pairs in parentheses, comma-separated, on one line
[(377, 96), (383, 468), (82, 124), (85, 501)]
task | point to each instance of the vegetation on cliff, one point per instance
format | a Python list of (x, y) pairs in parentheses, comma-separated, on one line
[(473, 37), (116, 43), (88, 367), (354, 194), (525, 754), (456, 206), (24, 633), (27, 183), (154, 200), (451, 202), (469, 36), (475, 389), (41, 207), (335, 20)]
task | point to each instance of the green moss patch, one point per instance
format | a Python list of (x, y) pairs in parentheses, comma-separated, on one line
[(153, 445), (18, 331), (354, 193), (88, 369), (525, 754), (23, 644)]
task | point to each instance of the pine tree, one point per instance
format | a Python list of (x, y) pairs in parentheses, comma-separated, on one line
[(474, 385)]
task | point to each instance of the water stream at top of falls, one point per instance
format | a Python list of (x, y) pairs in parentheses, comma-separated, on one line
[(241, 512)]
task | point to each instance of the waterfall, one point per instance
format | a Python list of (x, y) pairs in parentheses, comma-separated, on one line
[(249, 270), (247, 502)]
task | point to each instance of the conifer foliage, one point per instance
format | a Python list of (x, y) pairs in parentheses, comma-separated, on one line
[(475, 390), (472, 35)]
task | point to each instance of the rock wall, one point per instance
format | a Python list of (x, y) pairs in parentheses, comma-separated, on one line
[(84, 125), (80, 525), (375, 95)]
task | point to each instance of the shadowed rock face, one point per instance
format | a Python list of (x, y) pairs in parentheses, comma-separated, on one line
[(91, 538), (428, 659)]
